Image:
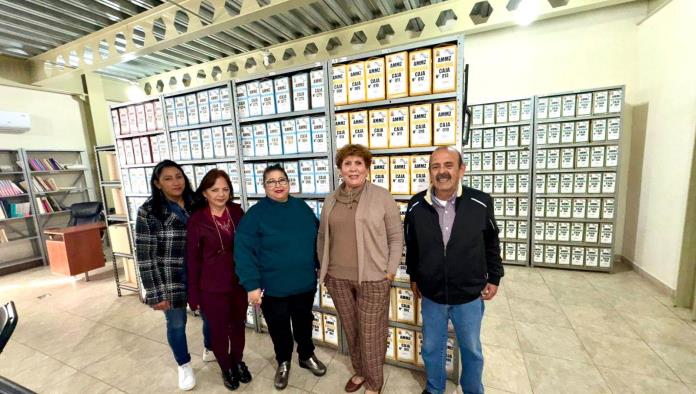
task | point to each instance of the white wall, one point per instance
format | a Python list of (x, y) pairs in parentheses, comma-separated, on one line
[(666, 91), (57, 120)]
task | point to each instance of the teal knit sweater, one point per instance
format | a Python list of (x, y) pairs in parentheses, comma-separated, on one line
[(275, 248)]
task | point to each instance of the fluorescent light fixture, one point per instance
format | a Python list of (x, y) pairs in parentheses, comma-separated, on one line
[(134, 93), (526, 12)]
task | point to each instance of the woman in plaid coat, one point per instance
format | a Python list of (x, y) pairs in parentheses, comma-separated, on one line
[(160, 245)]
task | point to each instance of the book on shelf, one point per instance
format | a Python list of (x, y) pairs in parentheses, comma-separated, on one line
[(3, 214), (9, 188), (16, 210), (42, 184), (6, 168), (47, 164), (48, 205), (3, 236)]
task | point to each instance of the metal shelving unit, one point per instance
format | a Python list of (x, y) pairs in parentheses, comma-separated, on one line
[(19, 230), (78, 178), (112, 218), (498, 159), (458, 96), (578, 134), (251, 160)]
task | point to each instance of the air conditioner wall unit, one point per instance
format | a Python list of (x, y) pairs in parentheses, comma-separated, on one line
[(14, 122)]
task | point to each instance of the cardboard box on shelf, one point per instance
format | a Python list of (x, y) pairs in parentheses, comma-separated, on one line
[(421, 121), (359, 133), (405, 306), (289, 136), (340, 84), (445, 69), (400, 174), (260, 140), (303, 129), (554, 107), (391, 343), (342, 130), (320, 134), (275, 138), (375, 79), (330, 329), (307, 177), (300, 92), (318, 326), (120, 240), (420, 72), (357, 91), (584, 104), (398, 127), (397, 74), (283, 98), (600, 103), (317, 88), (405, 345), (489, 114), (379, 171), (379, 129), (420, 174), (501, 112)]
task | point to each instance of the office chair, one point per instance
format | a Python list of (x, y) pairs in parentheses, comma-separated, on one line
[(8, 322), (85, 213)]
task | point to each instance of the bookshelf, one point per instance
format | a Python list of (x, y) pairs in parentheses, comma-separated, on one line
[(56, 180), (20, 243)]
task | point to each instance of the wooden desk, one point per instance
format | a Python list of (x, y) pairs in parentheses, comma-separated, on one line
[(75, 250)]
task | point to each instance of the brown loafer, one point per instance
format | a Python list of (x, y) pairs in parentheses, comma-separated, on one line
[(352, 387)]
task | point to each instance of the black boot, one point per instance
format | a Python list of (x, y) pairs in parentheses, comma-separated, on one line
[(243, 373), (230, 379)]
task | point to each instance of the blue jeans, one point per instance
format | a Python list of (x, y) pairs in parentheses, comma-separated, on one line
[(467, 326), (176, 334)]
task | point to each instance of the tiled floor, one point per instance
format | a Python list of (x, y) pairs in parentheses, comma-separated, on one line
[(548, 331)]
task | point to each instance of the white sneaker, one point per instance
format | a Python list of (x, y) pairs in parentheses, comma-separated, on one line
[(187, 380), (208, 355)]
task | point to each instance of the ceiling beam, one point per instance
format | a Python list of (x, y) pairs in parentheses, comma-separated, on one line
[(235, 66), (45, 67)]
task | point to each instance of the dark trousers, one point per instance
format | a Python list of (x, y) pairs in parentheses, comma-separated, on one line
[(279, 312), (226, 314)]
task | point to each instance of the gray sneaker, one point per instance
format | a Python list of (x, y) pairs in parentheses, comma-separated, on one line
[(313, 364), (282, 375)]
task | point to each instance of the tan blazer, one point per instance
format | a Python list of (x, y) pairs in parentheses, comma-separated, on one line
[(378, 230)]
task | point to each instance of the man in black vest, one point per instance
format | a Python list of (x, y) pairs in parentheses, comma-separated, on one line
[(453, 258)]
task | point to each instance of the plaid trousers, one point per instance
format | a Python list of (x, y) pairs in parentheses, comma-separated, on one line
[(363, 310)]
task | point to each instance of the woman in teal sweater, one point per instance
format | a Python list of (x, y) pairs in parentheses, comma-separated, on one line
[(276, 261)]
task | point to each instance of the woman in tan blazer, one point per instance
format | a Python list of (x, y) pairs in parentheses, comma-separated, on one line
[(360, 244)]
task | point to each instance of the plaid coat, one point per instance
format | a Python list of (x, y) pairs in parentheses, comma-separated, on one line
[(160, 247)]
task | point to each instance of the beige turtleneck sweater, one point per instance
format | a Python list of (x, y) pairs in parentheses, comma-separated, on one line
[(343, 247)]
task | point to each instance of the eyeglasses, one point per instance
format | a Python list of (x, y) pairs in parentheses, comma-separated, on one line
[(279, 182)]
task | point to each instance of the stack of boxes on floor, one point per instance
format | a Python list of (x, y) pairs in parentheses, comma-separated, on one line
[(577, 157), (498, 161), (411, 96)]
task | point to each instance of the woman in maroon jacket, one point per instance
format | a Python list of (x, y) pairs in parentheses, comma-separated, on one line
[(212, 283)]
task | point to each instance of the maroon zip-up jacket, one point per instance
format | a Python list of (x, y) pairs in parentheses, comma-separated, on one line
[(210, 266)]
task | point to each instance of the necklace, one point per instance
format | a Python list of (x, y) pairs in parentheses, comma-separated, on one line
[(217, 228)]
